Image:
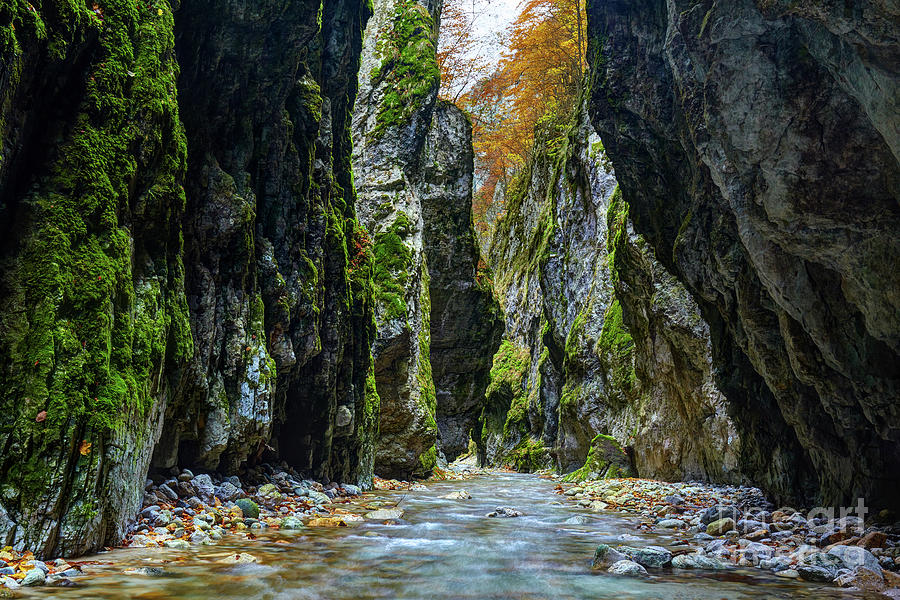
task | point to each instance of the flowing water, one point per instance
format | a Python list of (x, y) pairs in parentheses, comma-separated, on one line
[(445, 549)]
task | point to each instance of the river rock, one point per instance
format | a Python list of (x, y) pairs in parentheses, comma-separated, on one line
[(748, 525), (459, 495), (715, 513), (671, 524), (873, 539), (228, 492), (146, 571), (385, 514), (291, 523), (268, 491), (34, 577), (862, 578), (788, 573), (505, 512), (720, 527), (813, 573), (627, 567), (350, 489), (241, 558), (248, 507), (203, 483), (318, 497), (650, 556), (605, 556), (168, 492), (854, 556), (696, 561)]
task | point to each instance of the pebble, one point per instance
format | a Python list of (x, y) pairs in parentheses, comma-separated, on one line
[(627, 567), (34, 577)]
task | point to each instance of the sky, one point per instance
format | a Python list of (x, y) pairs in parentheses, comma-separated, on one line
[(494, 17)]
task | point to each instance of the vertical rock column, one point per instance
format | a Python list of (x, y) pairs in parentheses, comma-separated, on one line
[(466, 323), (778, 210), (399, 81)]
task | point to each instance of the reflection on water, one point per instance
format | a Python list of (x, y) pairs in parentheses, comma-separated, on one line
[(447, 549)]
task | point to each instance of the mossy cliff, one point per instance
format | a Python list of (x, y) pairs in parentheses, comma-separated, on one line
[(209, 281), (413, 168), (93, 314), (604, 349), (279, 270), (778, 211)]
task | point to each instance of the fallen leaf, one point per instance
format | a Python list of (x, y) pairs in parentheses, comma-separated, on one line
[(41, 416)]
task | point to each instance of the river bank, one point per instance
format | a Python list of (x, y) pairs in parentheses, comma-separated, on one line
[(714, 528)]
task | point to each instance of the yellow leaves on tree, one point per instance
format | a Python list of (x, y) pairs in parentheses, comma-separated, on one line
[(535, 85), (84, 448)]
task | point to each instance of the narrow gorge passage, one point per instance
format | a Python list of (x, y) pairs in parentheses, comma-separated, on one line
[(631, 264), (441, 548)]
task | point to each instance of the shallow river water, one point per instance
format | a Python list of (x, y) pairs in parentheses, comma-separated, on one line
[(446, 549)]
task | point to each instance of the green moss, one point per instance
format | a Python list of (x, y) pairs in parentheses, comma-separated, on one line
[(528, 456), (616, 350), (427, 462), (606, 460), (75, 268), (508, 370), (408, 72), (706, 20), (393, 262), (96, 302)]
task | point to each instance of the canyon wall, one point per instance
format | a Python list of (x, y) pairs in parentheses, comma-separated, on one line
[(413, 168), (204, 286), (756, 145), (602, 347)]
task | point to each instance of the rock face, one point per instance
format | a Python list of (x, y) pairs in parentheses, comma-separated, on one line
[(757, 147), (413, 168), (231, 304), (466, 323), (603, 345), (92, 306), (277, 281)]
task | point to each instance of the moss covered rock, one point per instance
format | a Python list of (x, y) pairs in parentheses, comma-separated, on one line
[(605, 460)]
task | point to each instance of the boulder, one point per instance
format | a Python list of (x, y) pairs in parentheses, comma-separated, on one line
[(627, 567)]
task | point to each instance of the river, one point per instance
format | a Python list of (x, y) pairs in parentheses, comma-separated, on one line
[(445, 549)]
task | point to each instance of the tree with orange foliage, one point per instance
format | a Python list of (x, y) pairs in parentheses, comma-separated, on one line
[(535, 85), (460, 54)]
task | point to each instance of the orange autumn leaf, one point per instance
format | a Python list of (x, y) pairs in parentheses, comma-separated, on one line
[(85, 448)]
